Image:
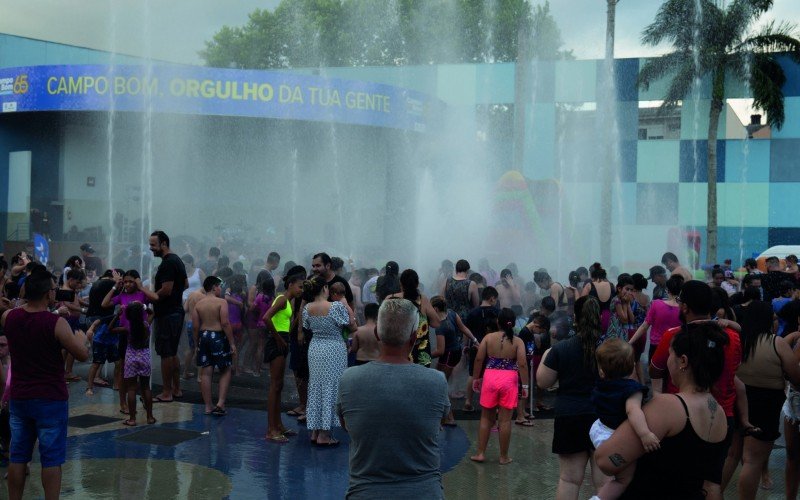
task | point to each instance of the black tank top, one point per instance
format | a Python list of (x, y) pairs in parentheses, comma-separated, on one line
[(679, 468), (456, 294), (604, 305)]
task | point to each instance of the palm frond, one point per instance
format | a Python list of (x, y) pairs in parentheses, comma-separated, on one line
[(681, 84), (766, 82), (659, 67), (674, 23), (772, 38)]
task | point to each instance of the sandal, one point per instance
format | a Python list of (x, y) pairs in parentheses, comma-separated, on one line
[(219, 412), (289, 432), (524, 423), (278, 438)]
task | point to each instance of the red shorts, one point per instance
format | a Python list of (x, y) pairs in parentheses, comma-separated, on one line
[(499, 388)]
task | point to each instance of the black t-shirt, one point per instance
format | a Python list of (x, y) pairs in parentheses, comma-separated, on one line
[(92, 263), (575, 379), (170, 269), (348, 293), (479, 319), (97, 293), (562, 323), (771, 284), (386, 285)]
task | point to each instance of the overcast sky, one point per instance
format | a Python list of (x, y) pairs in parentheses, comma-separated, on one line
[(174, 30)]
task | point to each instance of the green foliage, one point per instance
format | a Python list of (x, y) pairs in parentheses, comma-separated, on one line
[(724, 43), (312, 33)]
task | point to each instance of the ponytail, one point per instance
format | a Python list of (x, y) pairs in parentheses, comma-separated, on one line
[(506, 322)]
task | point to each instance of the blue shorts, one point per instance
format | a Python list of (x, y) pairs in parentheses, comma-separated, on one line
[(214, 350), (42, 419), (104, 353)]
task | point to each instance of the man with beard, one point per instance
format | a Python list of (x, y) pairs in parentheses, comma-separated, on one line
[(321, 265), (169, 283)]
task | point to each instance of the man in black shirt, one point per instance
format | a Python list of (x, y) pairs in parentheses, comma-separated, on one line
[(321, 266), (771, 281), (658, 275), (169, 283)]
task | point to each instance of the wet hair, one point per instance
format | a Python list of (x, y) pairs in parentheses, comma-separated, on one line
[(325, 258), (543, 322), (506, 321), (238, 284), (133, 273), (548, 303), (541, 276), (582, 271), (161, 237), (210, 282), (674, 284), (223, 261), (478, 279), (489, 293), (213, 252), (371, 311), (409, 280), (751, 262), (639, 282), (703, 344), (589, 329), (313, 287), (720, 300), (75, 274), (717, 271), (392, 268), (187, 259), (669, 257), (74, 261), (134, 312), (462, 266), (598, 273), (225, 273), (749, 278), (624, 280), (751, 293), (786, 287), (273, 258), (289, 265), (265, 284), (438, 303), (616, 358), (772, 260), (755, 324), (573, 279), (505, 273), (290, 279), (336, 263), (697, 297), (38, 284)]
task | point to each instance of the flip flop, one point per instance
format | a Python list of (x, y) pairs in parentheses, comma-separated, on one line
[(543, 408), (219, 412), (293, 413), (158, 399), (129, 423), (524, 423), (280, 438), (101, 383), (289, 432)]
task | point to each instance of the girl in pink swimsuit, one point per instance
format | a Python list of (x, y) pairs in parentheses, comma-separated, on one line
[(505, 364)]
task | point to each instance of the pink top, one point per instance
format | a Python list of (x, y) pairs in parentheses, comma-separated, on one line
[(234, 311), (123, 299), (262, 305), (661, 317)]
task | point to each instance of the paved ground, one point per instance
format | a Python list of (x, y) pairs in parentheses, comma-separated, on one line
[(189, 455)]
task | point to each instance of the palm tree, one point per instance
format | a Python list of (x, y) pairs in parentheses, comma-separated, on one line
[(712, 40)]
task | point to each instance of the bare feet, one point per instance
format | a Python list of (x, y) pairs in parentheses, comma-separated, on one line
[(478, 458), (505, 460), (129, 423), (89, 392), (151, 420)]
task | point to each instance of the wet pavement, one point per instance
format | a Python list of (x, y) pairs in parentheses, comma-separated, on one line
[(187, 454)]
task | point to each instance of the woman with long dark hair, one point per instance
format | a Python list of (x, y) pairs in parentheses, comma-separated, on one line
[(409, 289), (498, 382), (767, 361), (573, 365), (600, 288)]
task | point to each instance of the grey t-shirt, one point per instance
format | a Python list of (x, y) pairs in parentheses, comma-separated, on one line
[(393, 414)]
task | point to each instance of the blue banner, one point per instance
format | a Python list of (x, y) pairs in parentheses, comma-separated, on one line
[(41, 248), (211, 91)]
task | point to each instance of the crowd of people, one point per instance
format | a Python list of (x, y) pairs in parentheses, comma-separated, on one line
[(665, 394)]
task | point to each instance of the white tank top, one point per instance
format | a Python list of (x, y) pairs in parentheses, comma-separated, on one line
[(194, 283)]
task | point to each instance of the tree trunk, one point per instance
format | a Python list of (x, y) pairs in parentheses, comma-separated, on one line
[(606, 234), (521, 95), (713, 126)]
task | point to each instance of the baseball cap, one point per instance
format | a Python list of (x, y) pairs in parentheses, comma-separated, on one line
[(87, 248)]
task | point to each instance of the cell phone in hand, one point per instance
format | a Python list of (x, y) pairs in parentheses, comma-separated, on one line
[(65, 295)]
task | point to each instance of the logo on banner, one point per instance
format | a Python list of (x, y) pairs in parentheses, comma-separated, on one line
[(14, 85), (41, 248)]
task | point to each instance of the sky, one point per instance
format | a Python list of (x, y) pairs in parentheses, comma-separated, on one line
[(175, 30)]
